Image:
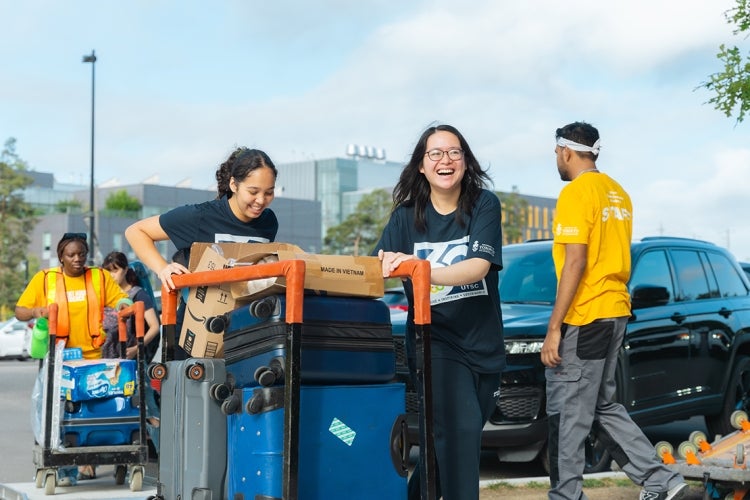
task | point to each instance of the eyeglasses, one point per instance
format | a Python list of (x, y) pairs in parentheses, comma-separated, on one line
[(438, 154), (74, 236)]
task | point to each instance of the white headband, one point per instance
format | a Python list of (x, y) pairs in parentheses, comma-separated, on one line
[(567, 143)]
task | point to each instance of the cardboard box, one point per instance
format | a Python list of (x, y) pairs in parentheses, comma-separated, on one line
[(342, 275), (84, 379), (202, 330)]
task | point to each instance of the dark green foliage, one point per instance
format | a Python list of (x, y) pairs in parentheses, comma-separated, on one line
[(16, 225), (731, 87)]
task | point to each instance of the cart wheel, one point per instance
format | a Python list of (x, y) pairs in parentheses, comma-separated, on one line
[(120, 472), (697, 437), (136, 479), (737, 417), (196, 371), (231, 405), (50, 479), (740, 454), (663, 447), (219, 392), (39, 478), (685, 448)]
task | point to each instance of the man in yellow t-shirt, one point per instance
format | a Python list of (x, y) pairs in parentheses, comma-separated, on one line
[(592, 231)]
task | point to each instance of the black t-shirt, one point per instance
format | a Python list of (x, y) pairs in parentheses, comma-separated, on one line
[(466, 322), (214, 222)]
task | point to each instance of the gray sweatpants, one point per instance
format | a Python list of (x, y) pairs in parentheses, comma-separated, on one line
[(580, 395)]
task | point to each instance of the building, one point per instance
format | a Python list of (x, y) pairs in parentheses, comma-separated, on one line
[(331, 180), (299, 220)]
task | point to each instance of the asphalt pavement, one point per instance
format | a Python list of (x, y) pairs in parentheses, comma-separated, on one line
[(17, 469)]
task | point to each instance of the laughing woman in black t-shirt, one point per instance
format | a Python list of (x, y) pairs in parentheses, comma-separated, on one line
[(443, 214)]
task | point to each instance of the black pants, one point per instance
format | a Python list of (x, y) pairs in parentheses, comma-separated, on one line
[(462, 401)]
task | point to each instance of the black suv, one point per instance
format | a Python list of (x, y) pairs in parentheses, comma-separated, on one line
[(686, 351)]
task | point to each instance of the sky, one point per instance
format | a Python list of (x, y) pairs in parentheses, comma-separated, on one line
[(180, 84)]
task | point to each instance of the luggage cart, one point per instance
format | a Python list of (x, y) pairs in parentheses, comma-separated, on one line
[(294, 271), (49, 455), (721, 465), (419, 272)]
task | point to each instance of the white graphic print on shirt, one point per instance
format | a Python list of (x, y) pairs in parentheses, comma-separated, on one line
[(442, 254)]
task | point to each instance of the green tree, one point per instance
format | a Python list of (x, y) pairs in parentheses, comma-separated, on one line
[(515, 211), (121, 201), (68, 206), (16, 224), (731, 87), (359, 232)]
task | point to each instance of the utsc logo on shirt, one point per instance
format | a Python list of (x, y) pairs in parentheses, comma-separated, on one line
[(561, 230)]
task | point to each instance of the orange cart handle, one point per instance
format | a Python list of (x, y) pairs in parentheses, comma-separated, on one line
[(292, 270), (419, 272), (137, 310)]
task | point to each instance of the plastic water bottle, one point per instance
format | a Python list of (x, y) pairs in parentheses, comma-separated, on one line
[(39, 338)]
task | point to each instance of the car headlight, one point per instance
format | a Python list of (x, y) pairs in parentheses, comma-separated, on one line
[(523, 346)]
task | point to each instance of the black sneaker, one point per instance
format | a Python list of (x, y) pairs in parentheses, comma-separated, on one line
[(674, 494)]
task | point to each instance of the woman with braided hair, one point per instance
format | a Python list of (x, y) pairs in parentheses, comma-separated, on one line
[(240, 213)]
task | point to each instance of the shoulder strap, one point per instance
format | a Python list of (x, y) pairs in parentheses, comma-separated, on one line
[(54, 290)]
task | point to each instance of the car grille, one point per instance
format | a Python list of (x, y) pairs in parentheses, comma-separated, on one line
[(519, 403)]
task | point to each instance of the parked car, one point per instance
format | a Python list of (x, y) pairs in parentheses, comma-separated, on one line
[(746, 267), (396, 300), (15, 339), (686, 351)]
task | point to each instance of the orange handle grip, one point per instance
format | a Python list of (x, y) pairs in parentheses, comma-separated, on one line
[(419, 271), (292, 270), (137, 310)]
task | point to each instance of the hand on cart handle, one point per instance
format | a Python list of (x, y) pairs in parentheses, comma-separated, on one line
[(419, 272), (292, 270)]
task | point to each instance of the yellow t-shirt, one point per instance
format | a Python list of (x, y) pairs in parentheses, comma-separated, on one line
[(79, 335), (595, 210)]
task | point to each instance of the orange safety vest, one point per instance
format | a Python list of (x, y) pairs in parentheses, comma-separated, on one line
[(54, 285)]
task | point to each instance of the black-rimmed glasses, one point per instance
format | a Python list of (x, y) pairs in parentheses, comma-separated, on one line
[(438, 154)]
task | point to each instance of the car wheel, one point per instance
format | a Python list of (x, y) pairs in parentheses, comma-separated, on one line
[(598, 458), (736, 398), (544, 457)]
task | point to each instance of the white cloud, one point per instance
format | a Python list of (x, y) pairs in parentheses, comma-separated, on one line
[(179, 85)]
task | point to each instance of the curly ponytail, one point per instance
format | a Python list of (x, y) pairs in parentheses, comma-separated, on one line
[(238, 166)]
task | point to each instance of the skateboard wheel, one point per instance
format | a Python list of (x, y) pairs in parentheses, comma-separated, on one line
[(663, 447), (685, 448), (697, 437), (737, 417)]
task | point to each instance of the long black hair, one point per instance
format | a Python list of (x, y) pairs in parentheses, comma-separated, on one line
[(414, 190)]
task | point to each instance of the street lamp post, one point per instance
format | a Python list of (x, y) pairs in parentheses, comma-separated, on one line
[(92, 235)]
